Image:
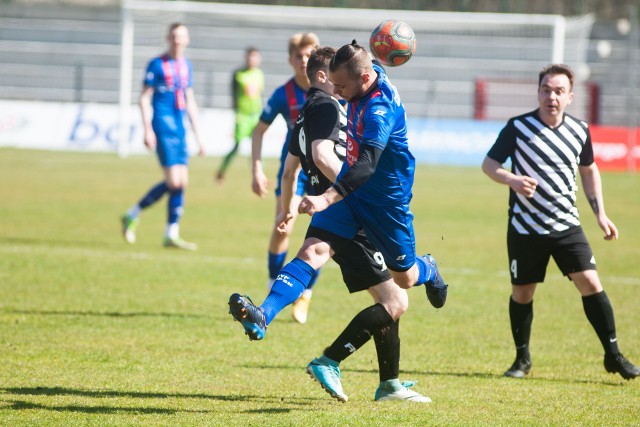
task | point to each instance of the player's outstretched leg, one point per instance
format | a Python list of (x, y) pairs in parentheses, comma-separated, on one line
[(618, 364), (249, 315), (327, 373), (395, 390), (436, 287)]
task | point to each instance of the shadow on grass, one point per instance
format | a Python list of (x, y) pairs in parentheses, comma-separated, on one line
[(18, 405), (62, 391), (101, 313), (22, 405), (293, 403)]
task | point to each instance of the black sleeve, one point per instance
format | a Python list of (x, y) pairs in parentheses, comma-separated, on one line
[(505, 144), (361, 170), (586, 155), (297, 137)]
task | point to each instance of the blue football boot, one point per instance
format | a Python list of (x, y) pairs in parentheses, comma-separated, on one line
[(251, 316), (329, 378), (436, 288)]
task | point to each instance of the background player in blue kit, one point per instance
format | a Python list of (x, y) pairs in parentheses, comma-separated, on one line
[(286, 100), (318, 147), (166, 97)]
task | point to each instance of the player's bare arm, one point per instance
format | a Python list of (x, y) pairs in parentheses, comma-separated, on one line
[(592, 186), (521, 184), (289, 183), (194, 118), (259, 182), (147, 113), (325, 158)]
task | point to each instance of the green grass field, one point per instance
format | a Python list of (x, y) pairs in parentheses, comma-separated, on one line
[(96, 332)]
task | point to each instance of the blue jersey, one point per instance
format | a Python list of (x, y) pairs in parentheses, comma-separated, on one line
[(169, 79), (380, 120), (286, 100), (380, 206)]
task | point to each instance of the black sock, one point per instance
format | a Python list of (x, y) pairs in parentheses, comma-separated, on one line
[(387, 340), (598, 309), (358, 332), (521, 316)]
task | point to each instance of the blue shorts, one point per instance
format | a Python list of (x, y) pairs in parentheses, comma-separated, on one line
[(304, 186), (389, 228), (172, 144)]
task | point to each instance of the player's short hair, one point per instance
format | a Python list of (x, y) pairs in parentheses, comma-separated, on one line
[(319, 60), (251, 49), (354, 57), (554, 69), (175, 25), (302, 40)]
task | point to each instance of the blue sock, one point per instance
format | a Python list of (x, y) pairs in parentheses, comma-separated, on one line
[(276, 262), (314, 279), (292, 280), (176, 198), (153, 195), (426, 272)]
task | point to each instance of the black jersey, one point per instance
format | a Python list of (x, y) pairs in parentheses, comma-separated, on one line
[(551, 156), (322, 117)]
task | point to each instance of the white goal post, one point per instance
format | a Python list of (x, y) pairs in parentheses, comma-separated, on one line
[(454, 49)]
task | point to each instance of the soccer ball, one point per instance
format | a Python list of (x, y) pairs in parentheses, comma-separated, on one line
[(392, 42)]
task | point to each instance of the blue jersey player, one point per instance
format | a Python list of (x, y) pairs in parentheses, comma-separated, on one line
[(287, 100), (166, 97), (373, 189), (318, 146), (372, 193)]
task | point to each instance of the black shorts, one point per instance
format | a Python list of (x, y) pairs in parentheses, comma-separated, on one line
[(362, 266), (529, 254)]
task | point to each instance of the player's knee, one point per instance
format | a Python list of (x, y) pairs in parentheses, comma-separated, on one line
[(398, 309), (315, 255), (396, 303), (175, 185)]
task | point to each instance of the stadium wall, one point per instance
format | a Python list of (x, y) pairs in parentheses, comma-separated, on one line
[(94, 127)]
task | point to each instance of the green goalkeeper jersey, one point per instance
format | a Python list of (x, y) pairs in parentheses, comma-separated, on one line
[(248, 85)]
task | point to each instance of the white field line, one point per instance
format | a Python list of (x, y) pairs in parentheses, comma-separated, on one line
[(65, 251)]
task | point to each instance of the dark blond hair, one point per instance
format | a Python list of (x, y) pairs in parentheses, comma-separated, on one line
[(302, 40)]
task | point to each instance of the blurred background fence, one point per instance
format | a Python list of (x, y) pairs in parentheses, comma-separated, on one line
[(468, 65)]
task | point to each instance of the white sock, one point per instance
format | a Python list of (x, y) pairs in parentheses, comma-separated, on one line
[(173, 230), (134, 211)]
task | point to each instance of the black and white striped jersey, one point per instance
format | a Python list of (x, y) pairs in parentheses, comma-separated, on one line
[(552, 157)]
